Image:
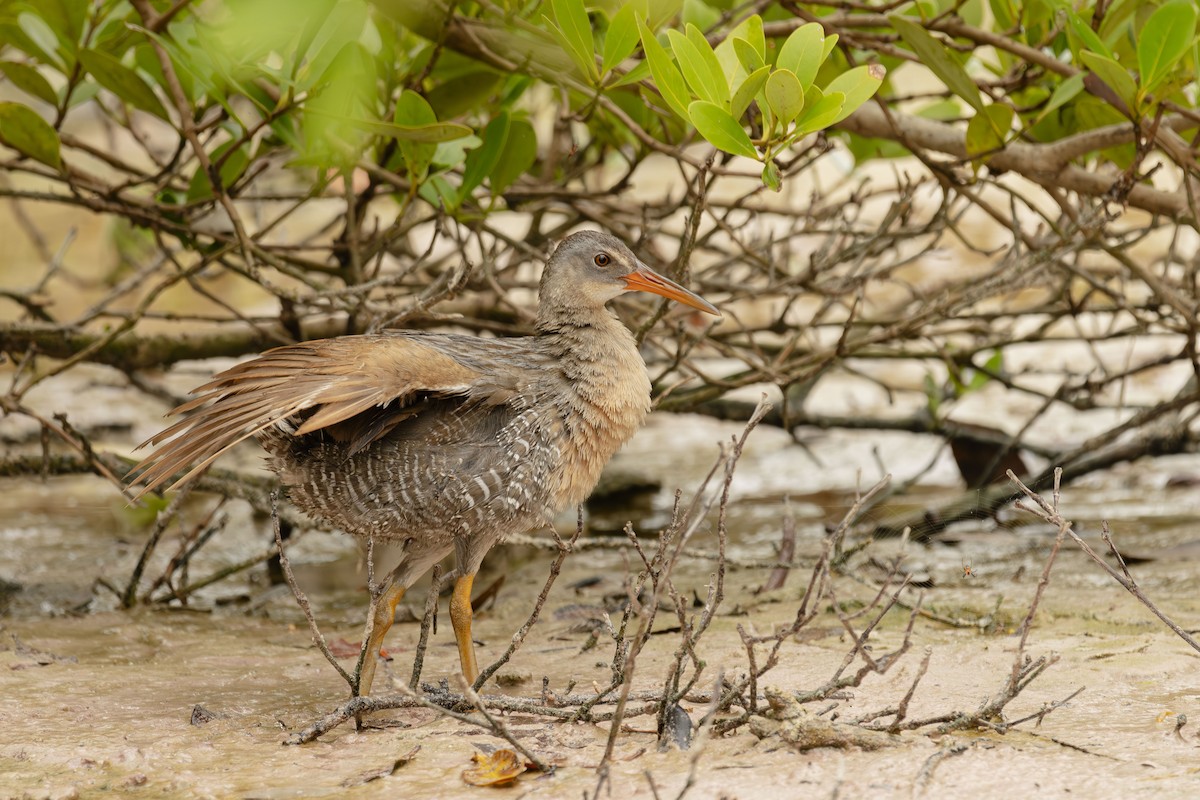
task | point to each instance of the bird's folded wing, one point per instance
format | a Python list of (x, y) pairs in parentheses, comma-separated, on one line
[(339, 378)]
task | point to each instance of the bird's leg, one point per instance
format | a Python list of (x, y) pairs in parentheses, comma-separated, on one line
[(382, 613), (460, 620)]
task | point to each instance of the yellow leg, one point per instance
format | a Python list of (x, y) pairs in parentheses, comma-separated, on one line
[(383, 613), (460, 620)]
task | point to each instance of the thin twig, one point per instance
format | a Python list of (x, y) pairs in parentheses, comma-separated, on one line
[(301, 599)]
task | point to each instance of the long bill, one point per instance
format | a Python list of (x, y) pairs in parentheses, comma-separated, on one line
[(644, 279)]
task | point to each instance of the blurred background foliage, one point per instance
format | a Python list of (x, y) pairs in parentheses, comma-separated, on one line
[(944, 185)]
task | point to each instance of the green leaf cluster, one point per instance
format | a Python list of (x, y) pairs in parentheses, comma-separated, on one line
[(334, 86), (1121, 61), (744, 105)]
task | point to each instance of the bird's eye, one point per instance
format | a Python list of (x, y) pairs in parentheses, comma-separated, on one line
[(602, 260)]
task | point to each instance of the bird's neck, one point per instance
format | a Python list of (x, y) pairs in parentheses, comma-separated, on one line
[(554, 318), (587, 338), (603, 395)]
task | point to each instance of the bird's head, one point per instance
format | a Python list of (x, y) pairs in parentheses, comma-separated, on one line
[(589, 268)]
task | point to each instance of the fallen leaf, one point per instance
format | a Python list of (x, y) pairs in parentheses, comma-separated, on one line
[(494, 769)]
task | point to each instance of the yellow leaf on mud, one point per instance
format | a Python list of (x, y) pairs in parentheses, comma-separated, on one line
[(496, 769)]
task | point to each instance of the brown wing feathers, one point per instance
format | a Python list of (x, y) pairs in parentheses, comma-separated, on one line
[(340, 378)]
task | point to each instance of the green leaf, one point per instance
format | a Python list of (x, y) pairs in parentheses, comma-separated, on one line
[(696, 70), (750, 33), (717, 76), (437, 191), (746, 91), (858, 85), (995, 363), (720, 128), (942, 110), (432, 133), (576, 32), (122, 81), (12, 35), (971, 12), (41, 37), (1114, 75), (462, 93), (700, 14), (802, 53), (24, 131), (482, 161), (621, 38), (656, 12), (988, 130), (579, 58), (1064, 93), (867, 148), (1004, 13), (771, 177), (520, 151), (66, 19), (636, 75), (830, 42), (748, 57), (29, 81), (454, 152), (1163, 42), (414, 111), (820, 111), (666, 77), (784, 95), (232, 167), (933, 55), (1084, 33), (339, 119), (1037, 17)]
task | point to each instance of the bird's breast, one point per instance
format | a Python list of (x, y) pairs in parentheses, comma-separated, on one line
[(599, 416)]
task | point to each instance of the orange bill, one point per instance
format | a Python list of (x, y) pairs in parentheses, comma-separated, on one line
[(644, 279)]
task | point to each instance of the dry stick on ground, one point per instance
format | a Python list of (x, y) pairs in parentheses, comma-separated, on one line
[(407, 698), (634, 589), (428, 623), (926, 773), (787, 551), (902, 709), (225, 572), (164, 518), (498, 727), (1050, 513), (564, 550), (200, 533), (859, 649), (659, 569), (691, 629), (1024, 669), (745, 691), (301, 599), (376, 591), (702, 737), (563, 708)]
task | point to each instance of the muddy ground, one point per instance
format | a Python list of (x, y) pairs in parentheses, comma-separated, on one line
[(101, 702)]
